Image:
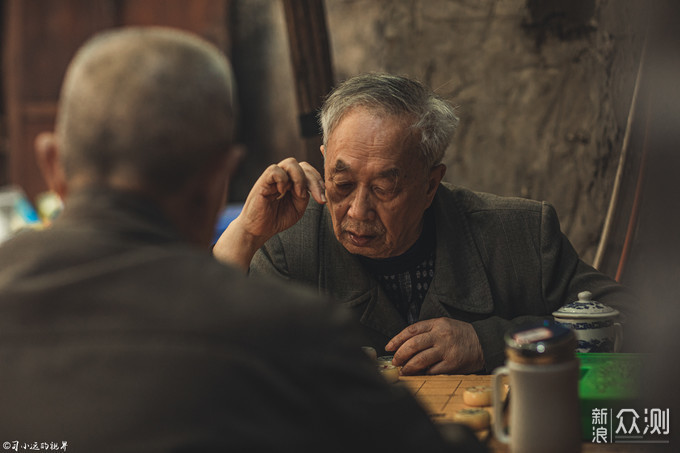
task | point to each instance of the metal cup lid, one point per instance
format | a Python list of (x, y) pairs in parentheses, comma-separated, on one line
[(542, 342)]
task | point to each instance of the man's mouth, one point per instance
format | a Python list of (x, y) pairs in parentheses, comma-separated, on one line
[(360, 240)]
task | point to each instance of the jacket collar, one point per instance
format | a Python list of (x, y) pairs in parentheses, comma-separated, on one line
[(459, 280), (126, 213)]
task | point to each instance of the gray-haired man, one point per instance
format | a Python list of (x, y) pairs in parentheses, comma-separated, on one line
[(433, 272)]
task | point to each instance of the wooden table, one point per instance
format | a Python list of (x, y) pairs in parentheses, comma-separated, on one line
[(442, 396)]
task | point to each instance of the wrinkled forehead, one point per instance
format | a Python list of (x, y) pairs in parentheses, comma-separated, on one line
[(389, 171), (364, 137)]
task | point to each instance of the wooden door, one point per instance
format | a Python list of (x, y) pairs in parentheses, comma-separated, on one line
[(40, 38)]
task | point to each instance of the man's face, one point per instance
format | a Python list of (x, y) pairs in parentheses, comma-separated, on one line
[(377, 185)]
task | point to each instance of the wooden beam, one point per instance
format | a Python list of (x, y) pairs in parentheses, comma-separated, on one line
[(312, 69)]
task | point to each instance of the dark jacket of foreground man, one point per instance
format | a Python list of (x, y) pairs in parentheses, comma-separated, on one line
[(115, 335), (499, 262)]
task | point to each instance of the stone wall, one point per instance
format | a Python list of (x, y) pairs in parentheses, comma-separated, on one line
[(542, 87)]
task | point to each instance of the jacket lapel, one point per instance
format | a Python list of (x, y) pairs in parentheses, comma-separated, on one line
[(343, 277), (459, 280)]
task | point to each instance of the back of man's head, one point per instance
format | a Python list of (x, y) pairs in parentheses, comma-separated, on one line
[(148, 107)]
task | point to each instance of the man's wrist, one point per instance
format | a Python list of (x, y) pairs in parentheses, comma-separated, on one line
[(237, 246)]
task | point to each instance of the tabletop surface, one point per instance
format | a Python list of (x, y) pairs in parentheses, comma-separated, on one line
[(442, 396)]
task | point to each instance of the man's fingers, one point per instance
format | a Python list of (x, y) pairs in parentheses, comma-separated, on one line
[(315, 182), (412, 330), (441, 367), (276, 181), (297, 176), (411, 347), (422, 361), (273, 181)]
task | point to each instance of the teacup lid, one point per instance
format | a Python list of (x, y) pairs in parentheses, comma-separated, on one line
[(584, 307)]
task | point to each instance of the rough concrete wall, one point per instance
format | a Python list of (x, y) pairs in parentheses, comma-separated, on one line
[(542, 96), (542, 88)]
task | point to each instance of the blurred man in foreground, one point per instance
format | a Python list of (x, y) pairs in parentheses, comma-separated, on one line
[(433, 272), (120, 332)]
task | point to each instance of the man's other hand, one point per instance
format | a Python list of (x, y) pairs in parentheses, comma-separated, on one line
[(437, 346)]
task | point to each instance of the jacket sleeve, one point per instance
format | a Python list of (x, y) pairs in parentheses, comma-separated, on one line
[(565, 274), (270, 261), (292, 254), (562, 276)]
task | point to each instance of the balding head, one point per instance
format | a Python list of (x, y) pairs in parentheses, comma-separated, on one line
[(151, 107)]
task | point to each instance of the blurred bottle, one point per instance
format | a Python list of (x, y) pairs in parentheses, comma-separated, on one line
[(16, 212)]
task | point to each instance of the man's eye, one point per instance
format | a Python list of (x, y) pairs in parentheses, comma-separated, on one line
[(344, 186), (384, 192)]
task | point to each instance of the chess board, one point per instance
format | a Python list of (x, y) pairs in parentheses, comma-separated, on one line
[(442, 396)]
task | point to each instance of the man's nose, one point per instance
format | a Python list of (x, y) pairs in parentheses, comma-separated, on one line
[(361, 206)]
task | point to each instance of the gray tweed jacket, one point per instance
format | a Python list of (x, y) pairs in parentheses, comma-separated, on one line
[(499, 262)]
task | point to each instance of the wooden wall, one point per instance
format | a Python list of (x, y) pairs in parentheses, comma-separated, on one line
[(39, 39)]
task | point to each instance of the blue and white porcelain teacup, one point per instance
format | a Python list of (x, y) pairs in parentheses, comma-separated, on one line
[(594, 324)]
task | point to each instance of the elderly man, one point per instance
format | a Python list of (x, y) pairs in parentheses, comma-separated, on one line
[(435, 273), (118, 329)]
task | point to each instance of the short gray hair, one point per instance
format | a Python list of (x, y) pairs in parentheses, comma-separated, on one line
[(153, 104), (433, 117)]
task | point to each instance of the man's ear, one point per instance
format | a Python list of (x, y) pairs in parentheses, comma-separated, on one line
[(47, 156), (436, 175), (323, 150)]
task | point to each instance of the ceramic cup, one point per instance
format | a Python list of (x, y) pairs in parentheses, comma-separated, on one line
[(594, 324)]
